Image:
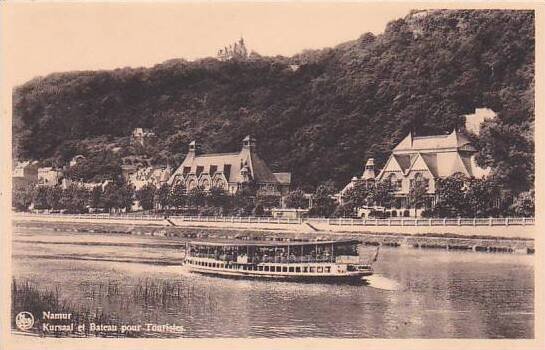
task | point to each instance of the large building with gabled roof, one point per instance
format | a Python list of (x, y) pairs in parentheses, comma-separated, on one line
[(229, 171), (424, 158)]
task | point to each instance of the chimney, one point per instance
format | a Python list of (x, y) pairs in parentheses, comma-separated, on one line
[(194, 149)]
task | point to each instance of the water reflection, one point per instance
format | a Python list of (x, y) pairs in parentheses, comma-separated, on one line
[(441, 294)]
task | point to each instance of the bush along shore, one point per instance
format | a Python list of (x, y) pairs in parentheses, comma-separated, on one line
[(476, 243)]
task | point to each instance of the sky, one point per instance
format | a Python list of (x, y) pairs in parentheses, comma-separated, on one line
[(43, 38)]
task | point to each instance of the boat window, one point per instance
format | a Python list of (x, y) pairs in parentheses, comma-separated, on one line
[(292, 269), (298, 269), (244, 267), (312, 269), (305, 269), (320, 269), (284, 269), (328, 269), (266, 268), (278, 269), (260, 268)]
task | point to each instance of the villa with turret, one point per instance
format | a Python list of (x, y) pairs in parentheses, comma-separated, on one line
[(422, 158), (230, 171)]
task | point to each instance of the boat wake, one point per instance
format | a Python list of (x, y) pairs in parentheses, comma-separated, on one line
[(381, 282)]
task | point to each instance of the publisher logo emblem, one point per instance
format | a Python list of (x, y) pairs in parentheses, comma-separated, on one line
[(24, 320)]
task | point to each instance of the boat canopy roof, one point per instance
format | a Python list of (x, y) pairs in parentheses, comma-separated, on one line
[(249, 243)]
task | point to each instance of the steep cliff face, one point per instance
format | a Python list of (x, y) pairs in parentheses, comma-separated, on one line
[(320, 120)]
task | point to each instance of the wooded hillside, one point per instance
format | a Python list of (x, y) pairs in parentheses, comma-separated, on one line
[(319, 114)]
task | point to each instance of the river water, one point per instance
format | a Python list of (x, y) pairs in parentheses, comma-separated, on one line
[(416, 293)]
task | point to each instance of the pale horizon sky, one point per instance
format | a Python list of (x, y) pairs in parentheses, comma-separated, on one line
[(45, 38)]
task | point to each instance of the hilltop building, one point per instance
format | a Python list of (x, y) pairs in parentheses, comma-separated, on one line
[(140, 136), (426, 159), (230, 171)]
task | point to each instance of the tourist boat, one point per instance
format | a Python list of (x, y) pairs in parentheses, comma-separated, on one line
[(300, 261)]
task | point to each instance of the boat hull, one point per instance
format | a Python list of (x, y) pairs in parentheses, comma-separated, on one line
[(348, 277)]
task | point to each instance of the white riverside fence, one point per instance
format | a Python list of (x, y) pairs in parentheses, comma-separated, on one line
[(432, 222), (135, 217), (509, 221)]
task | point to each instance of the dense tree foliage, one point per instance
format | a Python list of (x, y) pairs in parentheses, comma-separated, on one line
[(320, 120), (146, 196), (23, 195), (103, 165), (417, 195), (524, 204), (75, 199), (177, 196), (323, 205), (459, 196), (296, 199), (118, 195)]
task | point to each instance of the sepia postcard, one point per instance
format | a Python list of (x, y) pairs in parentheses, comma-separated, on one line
[(329, 175)]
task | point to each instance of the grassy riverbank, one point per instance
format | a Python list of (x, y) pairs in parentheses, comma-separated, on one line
[(29, 297)]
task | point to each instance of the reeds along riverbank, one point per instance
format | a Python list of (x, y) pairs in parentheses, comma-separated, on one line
[(146, 294)]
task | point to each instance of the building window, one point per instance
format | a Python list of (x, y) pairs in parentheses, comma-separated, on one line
[(395, 182), (227, 171)]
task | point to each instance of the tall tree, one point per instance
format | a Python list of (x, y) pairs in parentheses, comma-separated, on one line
[(196, 197), (322, 203), (163, 195), (40, 198), (146, 196), (22, 196), (54, 196), (75, 199), (450, 196), (381, 194), (524, 204), (480, 197), (95, 197), (178, 196), (217, 197), (417, 195), (296, 199)]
